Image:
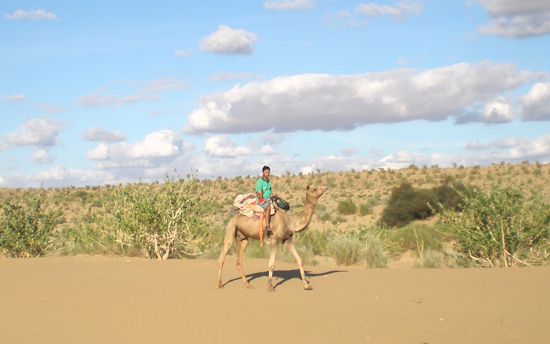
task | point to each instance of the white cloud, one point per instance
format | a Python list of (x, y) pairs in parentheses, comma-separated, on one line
[(229, 41), (267, 150), (180, 54), (99, 152), (39, 14), (15, 98), (37, 131), (494, 111), (222, 146), (139, 92), (328, 102), (288, 5), (159, 145), (516, 19), (96, 134), (535, 104), (512, 149), (42, 156), (399, 12), (229, 76), (362, 13)]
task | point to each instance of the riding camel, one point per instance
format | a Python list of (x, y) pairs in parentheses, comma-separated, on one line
[(283, 226)]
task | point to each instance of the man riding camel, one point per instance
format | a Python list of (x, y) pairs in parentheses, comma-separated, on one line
[(263, 193)]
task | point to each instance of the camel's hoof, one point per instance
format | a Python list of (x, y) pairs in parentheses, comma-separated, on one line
[(220, 285), (248, 286), (308, 287)]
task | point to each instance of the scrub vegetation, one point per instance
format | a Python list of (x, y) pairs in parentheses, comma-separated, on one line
[(494, 216)]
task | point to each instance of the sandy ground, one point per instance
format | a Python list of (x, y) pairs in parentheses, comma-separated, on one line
[(123, 300)]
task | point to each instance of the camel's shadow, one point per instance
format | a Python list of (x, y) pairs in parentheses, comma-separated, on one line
[(283, 276)]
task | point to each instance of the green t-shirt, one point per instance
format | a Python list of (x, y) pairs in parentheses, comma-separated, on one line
[(264, 188)]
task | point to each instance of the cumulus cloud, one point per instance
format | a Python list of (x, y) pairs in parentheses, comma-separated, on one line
[(37, 131), (512, 149), (399, 11), (363, 13), (516, 19), (231, 76), (288, 5), (222, 146), (42, 156), (96, 134), (328, 102), (99, 152), (58, 177), (495, 111), (229, 41), (39, 14), (535, 105), (15, 98), (139, 92), (159, 145)]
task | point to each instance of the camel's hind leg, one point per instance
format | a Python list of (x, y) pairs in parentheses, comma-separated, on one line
[(227, 242), (292, 249), (242, 246)]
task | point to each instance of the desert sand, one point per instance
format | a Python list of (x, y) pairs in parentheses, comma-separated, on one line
[(128, 300)]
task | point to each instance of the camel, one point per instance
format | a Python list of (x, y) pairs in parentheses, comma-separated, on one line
[(283, 226)]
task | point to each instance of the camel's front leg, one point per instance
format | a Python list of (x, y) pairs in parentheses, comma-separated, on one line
[(272, 253), (290, 246), (242, 246), (226, 247)]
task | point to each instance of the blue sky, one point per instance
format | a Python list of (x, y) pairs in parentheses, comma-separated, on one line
[(105, 92)]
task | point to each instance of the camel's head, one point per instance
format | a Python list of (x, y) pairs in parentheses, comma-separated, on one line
[(314, 193)]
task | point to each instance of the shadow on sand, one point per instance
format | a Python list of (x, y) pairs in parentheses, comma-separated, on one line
[(284, 276)]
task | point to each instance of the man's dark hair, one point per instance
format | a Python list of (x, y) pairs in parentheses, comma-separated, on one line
[(265, 168)]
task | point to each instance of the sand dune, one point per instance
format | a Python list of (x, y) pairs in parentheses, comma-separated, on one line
[(128, 300)]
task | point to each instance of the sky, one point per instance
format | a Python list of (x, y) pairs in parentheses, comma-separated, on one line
[(108, 92)]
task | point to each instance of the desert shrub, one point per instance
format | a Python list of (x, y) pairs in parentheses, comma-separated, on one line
[(430, 259), (27, 227), (504, 227), (407, 204), (314, 240), (355, 245), (414, 237), (345, 250), (159, 221), (374, 251), (347, 207), (365, 209), (88, 234)]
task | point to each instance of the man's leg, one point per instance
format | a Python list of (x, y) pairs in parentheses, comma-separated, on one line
[(268, 220), (261, 229)]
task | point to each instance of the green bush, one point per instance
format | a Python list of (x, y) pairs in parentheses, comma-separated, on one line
[(374, 252), (430, 259), (27, 227), (159, 221), (347, 207), (410, 237), (407, 204), (345, 250), (355, 245), (504, 227)]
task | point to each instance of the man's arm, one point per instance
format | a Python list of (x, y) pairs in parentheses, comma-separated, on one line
[(259, 192)]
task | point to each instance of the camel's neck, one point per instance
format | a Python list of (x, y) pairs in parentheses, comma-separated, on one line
[(300, 221)]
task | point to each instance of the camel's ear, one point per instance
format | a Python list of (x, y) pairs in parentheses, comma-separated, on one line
[(308, 187)]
